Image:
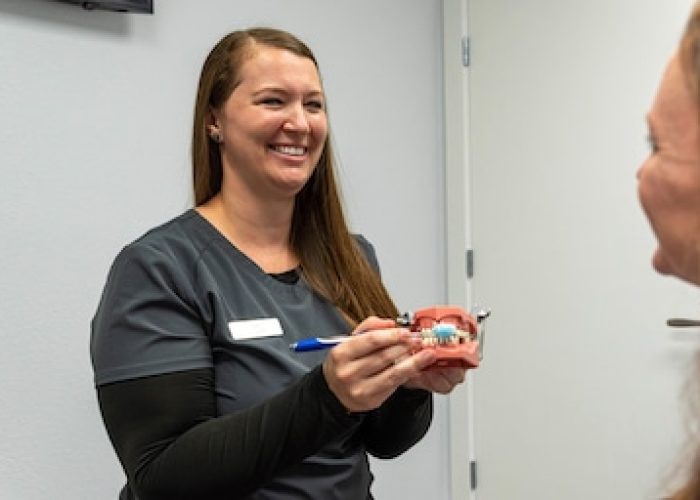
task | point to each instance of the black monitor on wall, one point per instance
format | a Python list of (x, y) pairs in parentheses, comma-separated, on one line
[(143, 6)]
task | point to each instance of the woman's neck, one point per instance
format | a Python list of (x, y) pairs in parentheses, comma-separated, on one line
[(260, 231)]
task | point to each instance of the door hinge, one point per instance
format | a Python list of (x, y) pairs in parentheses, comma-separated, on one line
[(469, 259), (465, 51), (472, 474)]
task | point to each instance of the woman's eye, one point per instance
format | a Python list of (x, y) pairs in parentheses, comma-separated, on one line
[(651, 140), (315, 105), (272, 101)]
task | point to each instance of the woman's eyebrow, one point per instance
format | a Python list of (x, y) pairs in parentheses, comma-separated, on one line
[(281, 90), (269, 88)]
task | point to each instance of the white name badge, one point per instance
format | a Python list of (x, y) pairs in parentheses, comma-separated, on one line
[(255, 328)]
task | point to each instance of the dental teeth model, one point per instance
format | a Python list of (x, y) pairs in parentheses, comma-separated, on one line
[(455, 335)]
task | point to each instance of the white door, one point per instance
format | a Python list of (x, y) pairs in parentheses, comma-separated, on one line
[(579, 393)]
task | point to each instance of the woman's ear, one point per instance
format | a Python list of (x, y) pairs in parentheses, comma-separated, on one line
[(213, 128)]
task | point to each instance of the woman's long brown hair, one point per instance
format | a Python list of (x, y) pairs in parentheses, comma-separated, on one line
[(331, 261)]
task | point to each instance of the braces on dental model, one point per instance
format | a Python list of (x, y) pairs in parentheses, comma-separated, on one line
[(456, 336)]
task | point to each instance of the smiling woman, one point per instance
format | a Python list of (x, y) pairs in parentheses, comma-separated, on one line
[(272, 128), (198, 389), (669, 184), (669, 180)]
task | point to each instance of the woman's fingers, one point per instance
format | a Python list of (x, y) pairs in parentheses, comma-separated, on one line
[(366, 370), (440, 380), (373, 323), (455, 375), (374, 342)]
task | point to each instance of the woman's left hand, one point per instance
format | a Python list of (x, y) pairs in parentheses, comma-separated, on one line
[(440, 380)]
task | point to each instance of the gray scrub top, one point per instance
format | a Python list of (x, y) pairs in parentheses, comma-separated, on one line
[(181, 297)]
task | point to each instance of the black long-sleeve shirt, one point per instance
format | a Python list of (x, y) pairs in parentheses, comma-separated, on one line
[(173, 446)]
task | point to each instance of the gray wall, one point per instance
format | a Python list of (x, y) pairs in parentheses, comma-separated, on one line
[(94, 142)]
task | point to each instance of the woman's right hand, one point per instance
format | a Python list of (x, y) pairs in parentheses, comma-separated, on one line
[(364, 371)]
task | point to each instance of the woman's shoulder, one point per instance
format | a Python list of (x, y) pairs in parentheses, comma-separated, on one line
[(367, 249), (180, 239), (365, 245)]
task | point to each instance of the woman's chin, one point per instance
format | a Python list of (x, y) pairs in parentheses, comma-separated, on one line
[(687, 271)]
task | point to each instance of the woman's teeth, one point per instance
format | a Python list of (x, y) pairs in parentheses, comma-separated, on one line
[(290, 150)]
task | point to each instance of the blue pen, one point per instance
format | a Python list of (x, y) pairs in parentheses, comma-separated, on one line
[(316, 343)]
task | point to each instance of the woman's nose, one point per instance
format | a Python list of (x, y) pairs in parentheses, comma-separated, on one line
[(641, 168), (297, 121)]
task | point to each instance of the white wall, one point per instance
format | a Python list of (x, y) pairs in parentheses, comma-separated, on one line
[(94, 140), (579, 395)]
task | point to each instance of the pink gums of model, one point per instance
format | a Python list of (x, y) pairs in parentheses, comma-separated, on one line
[(451, 332)]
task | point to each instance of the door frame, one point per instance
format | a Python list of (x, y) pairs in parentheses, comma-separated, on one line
[(458, 240)]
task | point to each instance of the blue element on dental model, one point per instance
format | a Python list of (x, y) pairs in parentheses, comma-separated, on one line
[(444, 331)]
